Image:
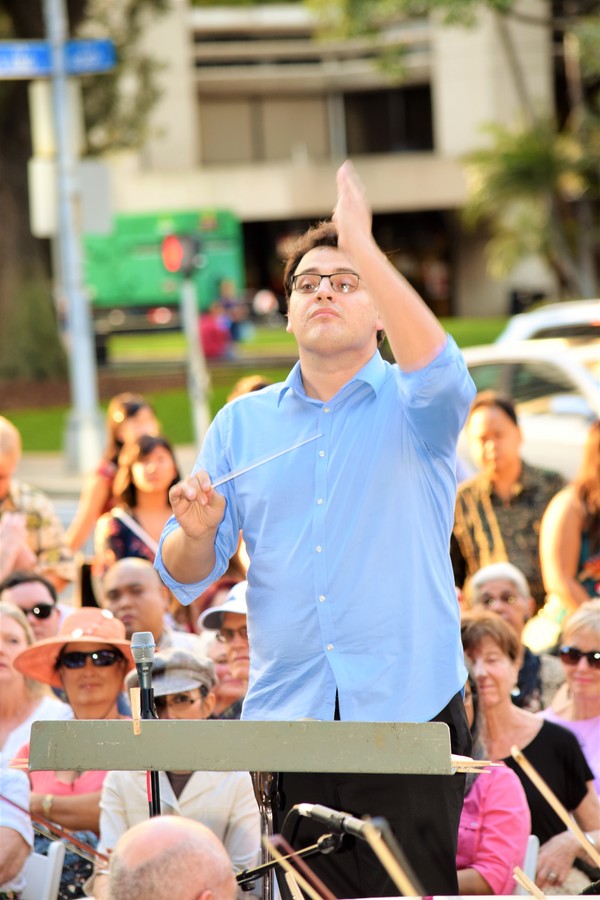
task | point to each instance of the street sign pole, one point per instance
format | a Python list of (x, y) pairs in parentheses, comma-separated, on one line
[(198, 376), (84, 427)]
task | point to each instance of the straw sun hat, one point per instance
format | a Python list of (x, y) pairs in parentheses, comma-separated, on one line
[(88, 626)]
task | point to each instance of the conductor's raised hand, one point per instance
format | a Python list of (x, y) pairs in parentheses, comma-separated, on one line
[(197, 507), (352, 214)]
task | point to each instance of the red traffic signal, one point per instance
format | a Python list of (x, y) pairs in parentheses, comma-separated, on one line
[(180, 253)]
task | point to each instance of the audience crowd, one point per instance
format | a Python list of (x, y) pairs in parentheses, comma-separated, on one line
[(525, 551)]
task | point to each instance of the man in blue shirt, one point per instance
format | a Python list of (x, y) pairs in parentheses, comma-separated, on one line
[(352, 612)]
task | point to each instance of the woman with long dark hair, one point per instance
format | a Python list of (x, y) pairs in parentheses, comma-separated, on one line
[(147, 470)]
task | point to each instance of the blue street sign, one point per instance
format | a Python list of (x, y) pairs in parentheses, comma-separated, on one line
[(33, 59), (86, 57)]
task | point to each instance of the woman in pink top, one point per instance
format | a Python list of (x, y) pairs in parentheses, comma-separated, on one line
[(495, 822), (88, 659)]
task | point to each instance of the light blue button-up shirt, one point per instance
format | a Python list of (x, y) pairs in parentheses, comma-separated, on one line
[(350, 586)]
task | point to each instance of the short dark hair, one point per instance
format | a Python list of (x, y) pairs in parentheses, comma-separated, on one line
[(20, 577), (491, 399), (475, 626), (323, 234)]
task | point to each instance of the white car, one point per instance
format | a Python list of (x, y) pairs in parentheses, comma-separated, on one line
[(555, 386), (578, 319)]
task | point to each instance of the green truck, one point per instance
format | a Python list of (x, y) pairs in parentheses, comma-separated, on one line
[(129, 287)]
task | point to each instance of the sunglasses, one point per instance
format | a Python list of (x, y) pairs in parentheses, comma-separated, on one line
[(571, 656), (178, 701), (40, 611), (228, 635), (76, 659)]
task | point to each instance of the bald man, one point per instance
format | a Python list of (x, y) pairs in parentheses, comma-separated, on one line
[(133, 592), (170, 857), (31, 535)]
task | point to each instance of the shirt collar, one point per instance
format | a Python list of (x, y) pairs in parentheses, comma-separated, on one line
[(372, 373)]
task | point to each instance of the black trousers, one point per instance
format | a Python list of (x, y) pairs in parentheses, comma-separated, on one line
[(423, 812)]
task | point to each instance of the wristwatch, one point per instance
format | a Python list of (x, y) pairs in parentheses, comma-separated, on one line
[(47, 805)]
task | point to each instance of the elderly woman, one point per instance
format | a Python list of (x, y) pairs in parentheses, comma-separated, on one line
[(183, 686), (88, 659), (492, 648), (578, 709), (22, 700), (502, 588)]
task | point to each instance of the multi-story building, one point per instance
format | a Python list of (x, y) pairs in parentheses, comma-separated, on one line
[(258, 109)]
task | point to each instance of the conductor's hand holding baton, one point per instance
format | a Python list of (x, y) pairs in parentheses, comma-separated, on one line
[(188, 552), (196, 506)]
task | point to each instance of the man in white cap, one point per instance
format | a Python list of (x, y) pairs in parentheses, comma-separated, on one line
[(223, 801), (229, 621)]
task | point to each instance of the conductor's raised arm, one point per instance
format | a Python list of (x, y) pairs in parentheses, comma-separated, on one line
[(414, 334)]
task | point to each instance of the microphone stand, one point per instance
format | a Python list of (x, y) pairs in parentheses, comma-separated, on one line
[(327, 843), (142, 650), (148, 711)]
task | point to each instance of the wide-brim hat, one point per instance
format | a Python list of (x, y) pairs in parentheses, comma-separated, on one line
[(176, 670), (235, 602), (88, 626)]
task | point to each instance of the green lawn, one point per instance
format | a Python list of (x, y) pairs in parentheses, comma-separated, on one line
[(43, 429)]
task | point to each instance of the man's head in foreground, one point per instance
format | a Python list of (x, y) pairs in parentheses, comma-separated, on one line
[(170, 857)]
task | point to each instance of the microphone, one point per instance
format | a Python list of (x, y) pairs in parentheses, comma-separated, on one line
[(332, 819), (142, 650)]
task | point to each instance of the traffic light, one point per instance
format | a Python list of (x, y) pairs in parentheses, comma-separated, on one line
[(180, 253)]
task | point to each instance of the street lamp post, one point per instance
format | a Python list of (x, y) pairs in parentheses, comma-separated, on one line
[(84, 426)]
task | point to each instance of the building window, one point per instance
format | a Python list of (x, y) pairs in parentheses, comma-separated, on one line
[(389, 121)]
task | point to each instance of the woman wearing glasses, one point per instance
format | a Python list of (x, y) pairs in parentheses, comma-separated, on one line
[(22, 700), (88, 659), (578, 709), (223, 801), (492, 650), (502, 588)]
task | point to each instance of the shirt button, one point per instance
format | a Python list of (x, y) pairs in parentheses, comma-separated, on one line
[(320, 501), (321, 453), (325, 409), (330, 646), (318, 549), (321, 598)]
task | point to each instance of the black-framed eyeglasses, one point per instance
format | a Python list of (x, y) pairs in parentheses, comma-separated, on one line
[(504, 597), (227, 635), (76, 659), (571, 656), (40, 610), (178, 701), (341, 282)]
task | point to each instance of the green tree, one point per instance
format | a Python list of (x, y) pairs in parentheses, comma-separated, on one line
[(113, 118), (537, 184)]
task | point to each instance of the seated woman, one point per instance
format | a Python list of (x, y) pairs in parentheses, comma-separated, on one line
[(502, 588), (88, 659), (578, 708), (128, 416), (22, 700), (570, 537), (494, 824), (147, 470), (493, 652), (224, 801)]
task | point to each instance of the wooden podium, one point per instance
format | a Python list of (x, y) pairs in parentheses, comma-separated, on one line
[(261, 748)]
